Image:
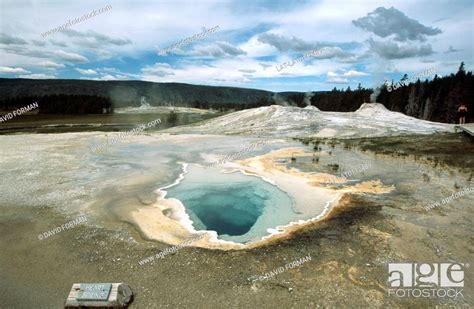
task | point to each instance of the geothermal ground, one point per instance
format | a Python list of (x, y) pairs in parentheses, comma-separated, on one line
[(351, 221)]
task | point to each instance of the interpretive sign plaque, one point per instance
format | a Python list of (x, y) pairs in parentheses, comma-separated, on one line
[(94, 291), (99, 295)]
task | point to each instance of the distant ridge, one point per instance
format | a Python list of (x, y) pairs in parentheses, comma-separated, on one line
[(129, 93)]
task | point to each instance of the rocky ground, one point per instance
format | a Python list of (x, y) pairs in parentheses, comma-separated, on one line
[(349, 252)]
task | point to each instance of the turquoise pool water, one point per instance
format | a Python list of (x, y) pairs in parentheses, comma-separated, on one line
[(238, 207)]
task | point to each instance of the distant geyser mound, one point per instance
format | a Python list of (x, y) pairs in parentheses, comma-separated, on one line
[(370, 120), (312, 108), (371, 109)]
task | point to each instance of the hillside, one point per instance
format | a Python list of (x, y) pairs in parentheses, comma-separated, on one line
[(129, 93)]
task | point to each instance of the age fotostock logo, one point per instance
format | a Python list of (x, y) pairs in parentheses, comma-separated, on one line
[(426, 279)]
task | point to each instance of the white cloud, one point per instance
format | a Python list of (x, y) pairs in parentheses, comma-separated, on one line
[(71, 57), (104, 77), (158, 70), (342, 78), (218, 49), (9, 70), (335, 78), (51, 65), (108, 77), (38, 76), (353, 73), (87, 72), (254, 48)]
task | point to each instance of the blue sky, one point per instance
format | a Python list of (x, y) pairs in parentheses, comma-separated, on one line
[(363, 41)]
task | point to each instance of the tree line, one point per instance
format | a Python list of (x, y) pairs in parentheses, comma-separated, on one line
[(62, 104), (435, 100)]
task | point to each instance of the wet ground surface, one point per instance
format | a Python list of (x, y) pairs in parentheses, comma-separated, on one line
[(349, 252), (92, 123)]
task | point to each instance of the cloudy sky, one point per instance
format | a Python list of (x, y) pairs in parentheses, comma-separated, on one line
[(352, 41)]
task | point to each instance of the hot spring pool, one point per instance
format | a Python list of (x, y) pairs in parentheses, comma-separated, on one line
[(240, 208)]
